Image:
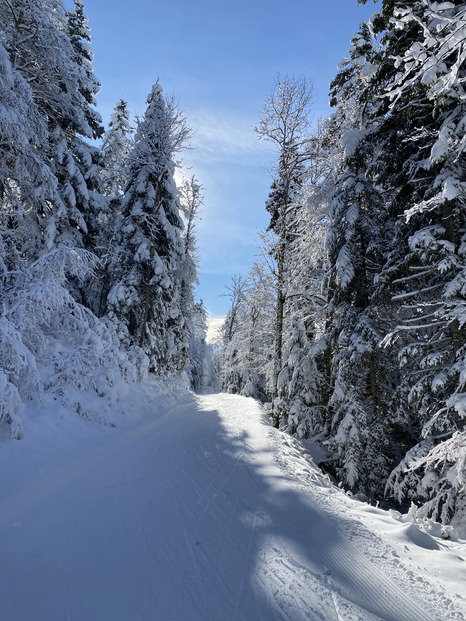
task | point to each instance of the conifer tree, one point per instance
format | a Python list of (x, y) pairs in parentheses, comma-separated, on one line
[(44, 165), (35, 34), (115, 148), (357, 397), (28, 187), (148, 261), (79, 32), (426, 42)]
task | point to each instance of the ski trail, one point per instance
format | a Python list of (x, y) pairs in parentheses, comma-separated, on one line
[(201, 513)]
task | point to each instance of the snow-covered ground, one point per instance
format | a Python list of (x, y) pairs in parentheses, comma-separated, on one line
[(196, 509)]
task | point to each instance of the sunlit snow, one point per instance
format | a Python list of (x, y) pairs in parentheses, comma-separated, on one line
[(195, 508)]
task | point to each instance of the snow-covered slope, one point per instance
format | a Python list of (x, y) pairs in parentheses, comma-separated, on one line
[(196, 509)]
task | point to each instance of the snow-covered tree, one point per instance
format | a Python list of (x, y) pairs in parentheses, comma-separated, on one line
[(232, 366), (300, 380), (202, 365), (191, 200), (28, 187), (115, 148), (35, 35), (147, 266), (360, 376), (285, 123), (51, 343), (79, 32), (246, 358), (428, 75)]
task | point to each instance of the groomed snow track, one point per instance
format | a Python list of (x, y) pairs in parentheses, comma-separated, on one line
[(203, 512)]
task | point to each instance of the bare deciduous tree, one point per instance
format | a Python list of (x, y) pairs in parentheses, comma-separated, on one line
[(286, 124)]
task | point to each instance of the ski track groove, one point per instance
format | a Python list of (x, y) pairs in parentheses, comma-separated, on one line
[(211, 499)]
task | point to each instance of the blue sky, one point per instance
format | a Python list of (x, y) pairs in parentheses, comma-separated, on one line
[(220, 60)]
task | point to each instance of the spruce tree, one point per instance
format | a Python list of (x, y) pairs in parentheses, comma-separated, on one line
[(359, 373), (35, 34), (28, 187), (115, 148), (147, 263), (426, 42)]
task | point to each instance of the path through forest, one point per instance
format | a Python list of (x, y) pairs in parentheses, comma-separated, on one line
[(204, 512)]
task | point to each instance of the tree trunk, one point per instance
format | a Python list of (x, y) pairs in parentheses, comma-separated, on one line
[(279, 320), (147, 302)]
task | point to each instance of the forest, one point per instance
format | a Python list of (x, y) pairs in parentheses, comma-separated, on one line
[(349, 327)]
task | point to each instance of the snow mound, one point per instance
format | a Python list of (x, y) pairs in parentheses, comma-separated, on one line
[(410, 533)]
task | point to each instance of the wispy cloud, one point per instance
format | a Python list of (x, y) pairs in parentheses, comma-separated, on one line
[(226, 136), (213, 328), (229, 162)]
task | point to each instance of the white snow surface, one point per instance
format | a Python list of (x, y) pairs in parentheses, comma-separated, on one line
[(196, 509)]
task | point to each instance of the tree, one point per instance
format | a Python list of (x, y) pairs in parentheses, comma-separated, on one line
[(298, 404), (202, 365), (232, 371), (35, 35), (191, 200), (115, 149), (79, 32), (360, 378), (28, 187), (429, 276), (285, 123), (148, 260)]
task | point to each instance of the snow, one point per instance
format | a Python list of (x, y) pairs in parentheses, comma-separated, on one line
[(196, 508), (350, 140)]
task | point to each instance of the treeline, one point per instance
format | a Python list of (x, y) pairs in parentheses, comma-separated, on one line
[(97, 244), (351, 324)]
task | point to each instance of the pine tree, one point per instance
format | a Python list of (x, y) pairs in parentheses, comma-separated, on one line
[(28, 187), (148, 261), (426, 41), (42, 325), (359, 373), (35, 34), (115, 148), (79, 32)]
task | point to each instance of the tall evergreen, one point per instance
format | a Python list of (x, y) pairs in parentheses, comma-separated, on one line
[(50, 210), (117, 143), (28, 187), (79, 33), (426, 42), (147, 265), (357, 370)]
